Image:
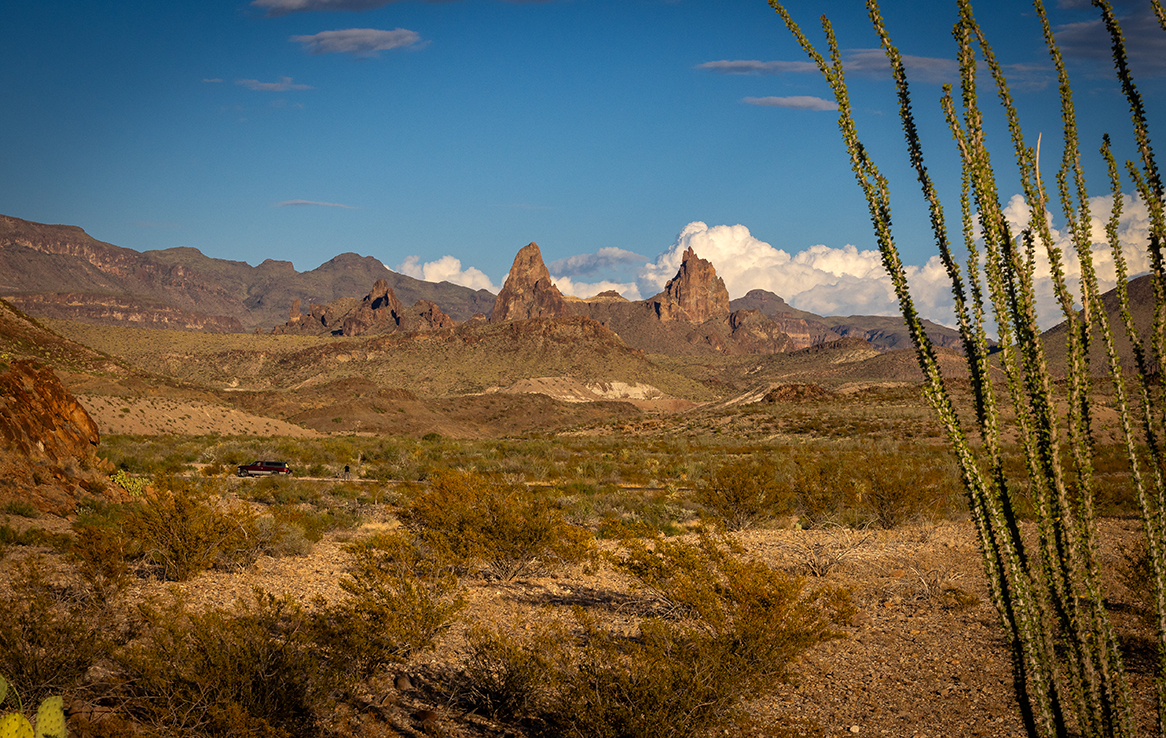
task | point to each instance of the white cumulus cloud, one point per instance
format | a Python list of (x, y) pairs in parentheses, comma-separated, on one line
[(628, 290), (357, 41), (446, 269), (852, 281)]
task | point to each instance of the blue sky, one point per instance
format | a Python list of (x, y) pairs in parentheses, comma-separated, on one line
[(442, 137)]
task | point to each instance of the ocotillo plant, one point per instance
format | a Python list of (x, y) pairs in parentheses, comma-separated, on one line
[(1067, 666)]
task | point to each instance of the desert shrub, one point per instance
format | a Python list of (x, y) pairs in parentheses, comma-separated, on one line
[(508, 529), (215, 470), (10, 536), (670, 682), (20, 508), (182, 531), (314, 524), (510, 676), (1136, 573), (252, 672), (901, 484), (745, 493), (826, 489), (100, 555), (49, 635), (726, 629), (401, 596)]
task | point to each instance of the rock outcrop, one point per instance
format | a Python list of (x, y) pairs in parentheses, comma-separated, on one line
[(379, 312), (529, 291), (695, 294), (47, 441)]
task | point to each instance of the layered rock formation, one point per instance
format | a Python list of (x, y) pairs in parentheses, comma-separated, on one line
[(804, 329), (47, 441), (529, 291), (122, 310), (183, 288)]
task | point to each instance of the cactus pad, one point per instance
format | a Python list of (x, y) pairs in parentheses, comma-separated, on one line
[(14, 725), (3, 689), (50, 718)]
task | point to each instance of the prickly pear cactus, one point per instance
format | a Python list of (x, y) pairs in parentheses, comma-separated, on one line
[(3, 689), (14, 725), (50, 718)]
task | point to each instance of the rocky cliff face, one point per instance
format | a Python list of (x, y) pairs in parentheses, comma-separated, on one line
[(695, 294), (529, 292), (136, 273), (41, 259), (122, 310), (47, 441)]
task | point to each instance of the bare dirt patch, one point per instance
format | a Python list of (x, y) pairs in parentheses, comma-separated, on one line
[(161, 415)]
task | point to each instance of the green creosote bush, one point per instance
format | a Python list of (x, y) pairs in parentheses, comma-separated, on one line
[(900, 485), (50, 716), (101, 556), (728, 629), (50, 634), (745, 493), (510, 676), (20, 508), (313, 524), (508, 529), (182, 529), (254, 671), (402, 594), (10, 536)]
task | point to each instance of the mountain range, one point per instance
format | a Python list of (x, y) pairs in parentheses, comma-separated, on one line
[(60, 271)]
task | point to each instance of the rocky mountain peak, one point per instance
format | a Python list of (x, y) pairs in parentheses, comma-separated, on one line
[(529, 291), (695, 294)]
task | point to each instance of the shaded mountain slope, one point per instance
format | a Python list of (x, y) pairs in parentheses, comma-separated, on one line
[(49, 260), (1141, 295)]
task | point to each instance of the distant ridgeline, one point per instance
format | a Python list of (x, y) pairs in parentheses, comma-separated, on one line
[(57, 271)]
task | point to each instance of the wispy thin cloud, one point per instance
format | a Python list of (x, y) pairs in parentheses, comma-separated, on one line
[(304, 203), (607, 257), (285, 7), (1089, 41), (214, 79), (872, 63), (752, 66), (523, 206), (357, 41), (284, 84), (795, 102)]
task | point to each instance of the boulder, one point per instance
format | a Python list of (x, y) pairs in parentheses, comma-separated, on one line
[(47, 442)]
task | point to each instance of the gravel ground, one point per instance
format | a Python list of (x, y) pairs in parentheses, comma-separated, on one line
[(924, 655)]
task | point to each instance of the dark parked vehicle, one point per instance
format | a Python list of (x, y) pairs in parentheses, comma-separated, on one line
[(264, 467)]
